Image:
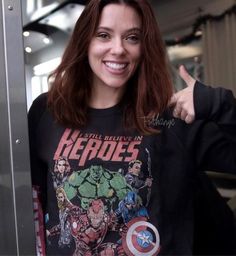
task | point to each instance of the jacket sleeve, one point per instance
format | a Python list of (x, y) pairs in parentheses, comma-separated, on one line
[(38, 168), (216, 141)]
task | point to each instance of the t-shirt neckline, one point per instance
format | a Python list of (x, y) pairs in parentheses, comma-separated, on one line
[(105, 111)]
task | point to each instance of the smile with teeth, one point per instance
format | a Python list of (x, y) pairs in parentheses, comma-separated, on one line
[(116, 66)]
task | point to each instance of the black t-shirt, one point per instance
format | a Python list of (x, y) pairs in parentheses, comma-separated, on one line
[(107, 190)]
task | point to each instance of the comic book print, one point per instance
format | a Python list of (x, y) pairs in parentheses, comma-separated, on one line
[(96, 203)]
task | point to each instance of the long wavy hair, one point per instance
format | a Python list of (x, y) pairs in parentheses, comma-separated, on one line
[(150, 86)]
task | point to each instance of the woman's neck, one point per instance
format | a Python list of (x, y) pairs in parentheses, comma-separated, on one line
[(103, 97)]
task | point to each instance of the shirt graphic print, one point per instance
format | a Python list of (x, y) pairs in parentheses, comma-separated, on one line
[(103, 187)]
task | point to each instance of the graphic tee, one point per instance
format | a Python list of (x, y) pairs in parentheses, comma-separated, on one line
[(102, 180), (107, 190)]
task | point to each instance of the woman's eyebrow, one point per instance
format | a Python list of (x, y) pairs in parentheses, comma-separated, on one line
[(127, 31), (105, 28), (134, 30)]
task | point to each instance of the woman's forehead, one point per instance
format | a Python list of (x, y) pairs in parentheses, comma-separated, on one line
[(120, 16)]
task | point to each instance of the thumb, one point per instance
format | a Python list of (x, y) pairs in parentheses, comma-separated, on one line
[(189, 80)]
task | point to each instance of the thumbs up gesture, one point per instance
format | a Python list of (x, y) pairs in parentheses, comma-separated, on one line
[(182, 101)]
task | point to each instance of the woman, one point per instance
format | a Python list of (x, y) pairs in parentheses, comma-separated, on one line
[(111, 103)]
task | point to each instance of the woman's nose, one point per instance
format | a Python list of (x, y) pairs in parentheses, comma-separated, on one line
[(117, 47)]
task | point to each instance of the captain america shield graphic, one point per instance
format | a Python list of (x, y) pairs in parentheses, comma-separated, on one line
[(141, 239)]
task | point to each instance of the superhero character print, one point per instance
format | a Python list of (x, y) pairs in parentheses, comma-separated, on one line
[(141, 239), (96, 182), (63, 229), (61, 171), (95, 204)]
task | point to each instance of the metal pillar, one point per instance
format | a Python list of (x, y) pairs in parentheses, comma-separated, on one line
[(16, 211)]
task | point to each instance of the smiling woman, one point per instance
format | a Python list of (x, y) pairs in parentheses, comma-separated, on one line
[(114, 54), (132, 149)]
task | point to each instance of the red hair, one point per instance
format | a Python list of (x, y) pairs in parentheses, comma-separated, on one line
[(150, 86)]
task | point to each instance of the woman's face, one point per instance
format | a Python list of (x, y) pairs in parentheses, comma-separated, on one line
[(61, 166), (115, 50)]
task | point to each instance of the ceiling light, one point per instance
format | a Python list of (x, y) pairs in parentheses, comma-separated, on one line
[(46, 40), (184, 51), (28, 49), (26, 33), (198, 33), (37, 41)]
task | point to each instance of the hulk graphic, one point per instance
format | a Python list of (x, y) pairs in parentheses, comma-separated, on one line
[(96, 182)]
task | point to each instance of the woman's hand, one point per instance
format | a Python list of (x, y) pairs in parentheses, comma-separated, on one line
[(182, 101)]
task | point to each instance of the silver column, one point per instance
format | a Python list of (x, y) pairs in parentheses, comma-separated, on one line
[(16, 211)]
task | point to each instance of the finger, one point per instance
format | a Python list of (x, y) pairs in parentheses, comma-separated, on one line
[(189, 80), (176, 112), (172, 100), (183, 114), (189, 119)]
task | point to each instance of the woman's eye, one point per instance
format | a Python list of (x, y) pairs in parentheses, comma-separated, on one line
[(133, 39), (103, 35)]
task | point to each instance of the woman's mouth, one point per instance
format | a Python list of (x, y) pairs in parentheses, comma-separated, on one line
[(115, 67)]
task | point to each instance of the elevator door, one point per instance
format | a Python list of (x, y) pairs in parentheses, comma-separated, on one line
[(17, 236)]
